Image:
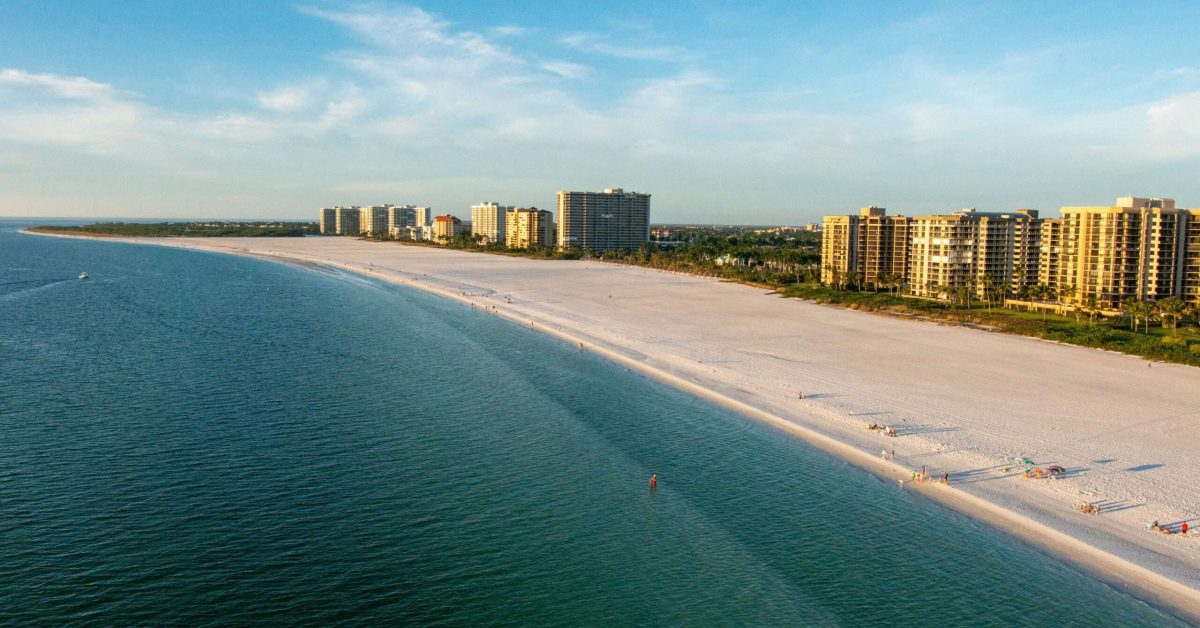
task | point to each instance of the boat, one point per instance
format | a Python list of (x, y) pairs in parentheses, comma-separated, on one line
[(83, 276)]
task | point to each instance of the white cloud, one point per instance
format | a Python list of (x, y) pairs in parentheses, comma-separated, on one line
[(567, 70), (511, 31), (1174, 126), (287, 98), (68, 111), (71, 87), (599, 44)]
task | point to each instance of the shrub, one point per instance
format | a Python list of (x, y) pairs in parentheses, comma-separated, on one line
[(1174, 341)]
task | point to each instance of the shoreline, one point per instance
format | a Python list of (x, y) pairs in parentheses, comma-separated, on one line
[(1108, 566)]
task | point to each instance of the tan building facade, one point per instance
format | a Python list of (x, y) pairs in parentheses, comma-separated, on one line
[(487, 222), (1135, 249), (1140, 248), (529, 228), (1191, 259), (373, 219), (872, 246), (445, 228), (973, 250), (328, 220)]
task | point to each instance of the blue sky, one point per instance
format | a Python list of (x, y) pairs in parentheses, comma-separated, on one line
[(773, 113)]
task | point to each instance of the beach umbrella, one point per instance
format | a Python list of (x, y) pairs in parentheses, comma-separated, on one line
[(1028, 461)]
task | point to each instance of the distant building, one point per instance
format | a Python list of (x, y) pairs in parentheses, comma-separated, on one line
[(487, 222), (529, 228), (445, 228), (423, 216), (872, 245), (602, 221), (664, 233), (373, 219), (400, 216), (347, 220), (328, 220)]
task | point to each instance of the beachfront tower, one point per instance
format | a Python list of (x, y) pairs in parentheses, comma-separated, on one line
[(603, 221), (1136, 249), (445, 228), (347, 220), (530, 228), (328, 220), (872, 245), (487, 222), (373, 220)]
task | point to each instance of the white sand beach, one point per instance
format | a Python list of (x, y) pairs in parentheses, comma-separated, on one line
[(968, 402)]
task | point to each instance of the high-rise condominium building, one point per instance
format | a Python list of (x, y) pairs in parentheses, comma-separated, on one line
[(445, 228), (1049, 252), (487, 222), (968, 249), (328, 220), (1191, 259), (872, 245), (423, 216), (347, 220), (373, 219), (1135, 249), (529, 228), (603, 221), (400, 217)]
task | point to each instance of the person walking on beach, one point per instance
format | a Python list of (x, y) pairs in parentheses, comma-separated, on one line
[(1183, 527), (893, 453), (945, 478)]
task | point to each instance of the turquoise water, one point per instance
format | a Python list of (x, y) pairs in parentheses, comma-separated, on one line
[(196, 438)]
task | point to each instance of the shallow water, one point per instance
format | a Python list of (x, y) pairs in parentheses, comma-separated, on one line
[(198, 438)]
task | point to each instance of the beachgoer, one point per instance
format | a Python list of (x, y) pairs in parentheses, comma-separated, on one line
[(914, 474), (945, 478), (1154, 526), (883, 454), (923, 473), (1183, 527), (654, 481), (893, 453)]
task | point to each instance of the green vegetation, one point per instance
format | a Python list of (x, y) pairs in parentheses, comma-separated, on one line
[(186, 229), (1170, 341)]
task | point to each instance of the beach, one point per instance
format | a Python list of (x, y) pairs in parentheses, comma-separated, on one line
[(970, 403)]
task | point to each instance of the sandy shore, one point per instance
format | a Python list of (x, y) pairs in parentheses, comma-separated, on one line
[(967, 402)]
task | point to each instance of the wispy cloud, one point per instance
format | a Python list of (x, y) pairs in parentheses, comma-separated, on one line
[(600, 44), (511, 31), (566, 69), (68, 111), (286, 98)]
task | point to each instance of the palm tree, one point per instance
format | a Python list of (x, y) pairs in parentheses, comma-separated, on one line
[(1170, 310), (1131, 307), (854, 278), (1092, 305), (989, 284)]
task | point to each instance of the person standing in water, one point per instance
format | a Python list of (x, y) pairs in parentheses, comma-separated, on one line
[(654, 481)]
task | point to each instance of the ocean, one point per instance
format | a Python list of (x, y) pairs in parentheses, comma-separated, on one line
[(195, 438)]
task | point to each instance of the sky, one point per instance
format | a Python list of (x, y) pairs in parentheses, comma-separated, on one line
[(732, 113)]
